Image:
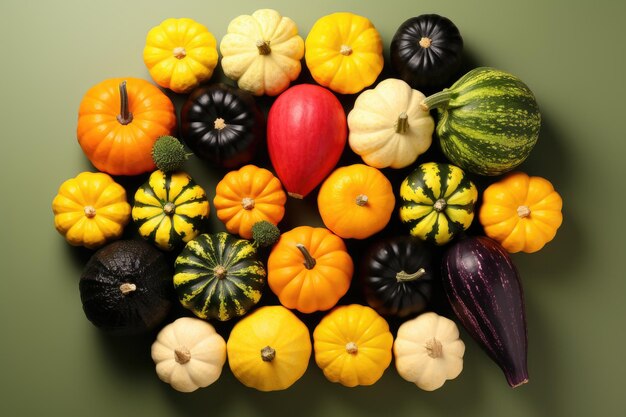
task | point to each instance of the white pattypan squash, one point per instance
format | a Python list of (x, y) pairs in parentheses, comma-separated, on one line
[(262, 52), (428, 351), (388, 128), (189, 354)]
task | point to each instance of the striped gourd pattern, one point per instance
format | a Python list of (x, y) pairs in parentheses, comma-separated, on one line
[(437, 202), (489, 121), (170, 209), (218, 276)]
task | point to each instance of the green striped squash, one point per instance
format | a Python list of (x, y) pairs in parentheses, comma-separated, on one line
[(218, 276), (437, 202), (489, 121), (170, 209)]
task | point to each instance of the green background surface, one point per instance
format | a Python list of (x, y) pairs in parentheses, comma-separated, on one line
[(54, 362)]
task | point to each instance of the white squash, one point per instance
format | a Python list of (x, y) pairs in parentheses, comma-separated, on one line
[(428, 351), (262, 52), (388, 128), (189, 354)]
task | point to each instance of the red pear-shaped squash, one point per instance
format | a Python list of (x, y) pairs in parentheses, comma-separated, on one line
[(306, 135)]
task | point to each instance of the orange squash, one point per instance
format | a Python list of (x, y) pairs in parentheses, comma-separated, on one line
[(119, 120), (520, 212), (309, 269), (248, 196), (356, 201)]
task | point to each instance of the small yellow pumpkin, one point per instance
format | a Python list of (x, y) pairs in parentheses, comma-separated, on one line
[(90, 209), (189, 354), (356, 201), (180, 54), (344, 52), (269, 349), (353, 345), (247, 196), (428, 351), (520, 212), (262, 52)]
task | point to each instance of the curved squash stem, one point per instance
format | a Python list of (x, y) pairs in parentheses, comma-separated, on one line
[(404, 277), (402, 125), (125, 116), (268, 354), (437, 100), (309, 261)]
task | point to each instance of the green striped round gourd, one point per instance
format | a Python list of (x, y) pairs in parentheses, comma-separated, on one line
[(437, 202), (218, 276), (489, 121), (170, 209)]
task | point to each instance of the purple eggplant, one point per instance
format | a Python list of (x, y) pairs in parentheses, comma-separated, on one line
[(485, 292)]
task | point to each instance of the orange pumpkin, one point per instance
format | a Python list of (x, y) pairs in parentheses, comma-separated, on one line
[(248, 196), (521, 213), (309, 269), (119, 120), (356, 201)]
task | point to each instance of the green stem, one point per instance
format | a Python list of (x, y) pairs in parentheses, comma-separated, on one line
[(439, 99), (125, 116), (403, 276), (402, 125)]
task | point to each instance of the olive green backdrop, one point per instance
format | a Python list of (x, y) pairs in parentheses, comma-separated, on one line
[(54, 362)]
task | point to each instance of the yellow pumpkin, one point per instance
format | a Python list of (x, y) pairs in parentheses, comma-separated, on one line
[(344, 52), (180, 54), (269, 349), (262, 52), (353, 345), (520, 212), (356, 201), (90, 210), (248, 196)]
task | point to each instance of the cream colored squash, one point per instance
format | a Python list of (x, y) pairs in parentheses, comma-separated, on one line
[(262, 52), (189, 354), (428, 351), (387, 126)]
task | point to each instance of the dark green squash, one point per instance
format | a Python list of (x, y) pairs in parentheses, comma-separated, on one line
[(126, 287), (400, 276), (218, 276)]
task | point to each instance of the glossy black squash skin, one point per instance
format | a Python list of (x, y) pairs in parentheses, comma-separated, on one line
[(222, 124), (400, 276), (126, 287), (426, 51)]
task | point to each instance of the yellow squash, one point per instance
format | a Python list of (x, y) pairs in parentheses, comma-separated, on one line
[(90, 210), (353, 345), (343, 51), (269, 349), (180, 54), (520, 212)]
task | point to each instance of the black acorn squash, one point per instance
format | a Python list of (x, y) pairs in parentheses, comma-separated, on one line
[(222, 124), (400, 276), (426, 51), (126, 287)]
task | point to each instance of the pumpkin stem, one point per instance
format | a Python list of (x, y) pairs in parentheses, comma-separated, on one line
[(404, 277), (434, 348), (425, 42), (523, 211), (439, 99), (361, 200), (220, 272), (352, 348), (402, 125), (125, 116), (296, 195), (247, 203), (264, 47), (219, 123), (309, 261), (126, 288), (179, 52), (169, 208), (345, 50), (90, 212), (182, 355), (440, 205), (268, 354)]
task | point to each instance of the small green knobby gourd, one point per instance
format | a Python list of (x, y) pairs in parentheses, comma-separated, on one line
[(169, 154)]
